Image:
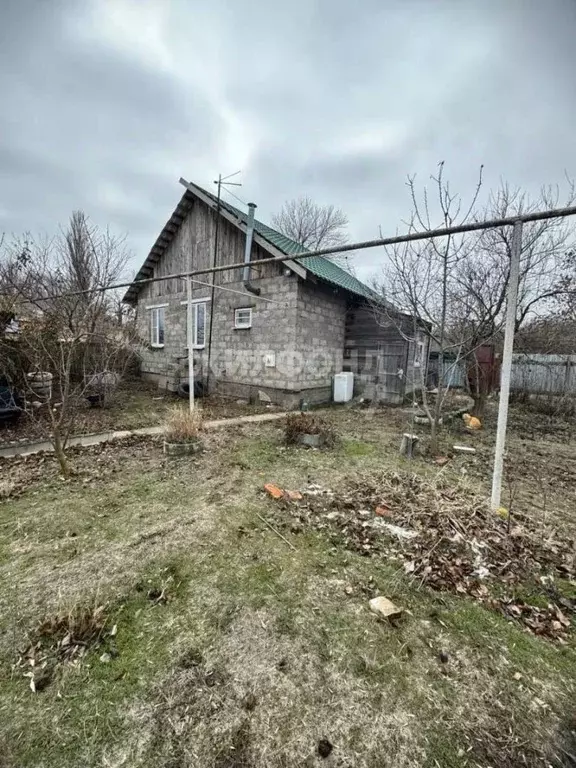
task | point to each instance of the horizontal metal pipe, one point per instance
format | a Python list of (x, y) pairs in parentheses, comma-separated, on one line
[(555, 213), (233, 290)]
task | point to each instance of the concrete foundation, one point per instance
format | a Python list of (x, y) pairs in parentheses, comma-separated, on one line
[(286, 398)]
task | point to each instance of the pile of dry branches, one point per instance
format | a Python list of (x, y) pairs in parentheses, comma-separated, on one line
[(444, 536)]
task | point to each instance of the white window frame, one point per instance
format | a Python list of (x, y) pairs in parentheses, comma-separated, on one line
[(239, 325), (419, 349), (196, 303), (157, 311)]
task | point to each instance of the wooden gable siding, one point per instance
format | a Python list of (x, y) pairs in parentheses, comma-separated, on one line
[(199, 227), (366, 328)]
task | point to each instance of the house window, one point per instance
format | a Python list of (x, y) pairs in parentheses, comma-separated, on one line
[(198, 322), (243, 318), (157, 326), (418, 353), (199, 325)]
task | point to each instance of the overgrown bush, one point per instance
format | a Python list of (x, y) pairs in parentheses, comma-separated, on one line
[(182, 425), (298, 424)]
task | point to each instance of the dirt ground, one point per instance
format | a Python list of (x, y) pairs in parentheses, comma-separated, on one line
[(168, 612), (135, 404)]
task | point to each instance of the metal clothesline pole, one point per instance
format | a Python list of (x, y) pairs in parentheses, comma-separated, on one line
[(506, 370), (189, 332)]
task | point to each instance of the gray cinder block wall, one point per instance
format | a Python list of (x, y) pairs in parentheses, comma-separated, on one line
[(291, 352), (296, 341)]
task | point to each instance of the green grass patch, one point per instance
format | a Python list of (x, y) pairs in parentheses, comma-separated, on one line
[(357, 448)]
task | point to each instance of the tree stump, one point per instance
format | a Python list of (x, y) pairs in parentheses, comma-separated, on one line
[(408, 445)]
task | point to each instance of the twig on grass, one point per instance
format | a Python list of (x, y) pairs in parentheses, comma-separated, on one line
[(424, 559), (276, 531)]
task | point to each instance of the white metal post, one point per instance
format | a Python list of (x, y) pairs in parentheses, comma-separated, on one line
[(189, 335), (505, 376)]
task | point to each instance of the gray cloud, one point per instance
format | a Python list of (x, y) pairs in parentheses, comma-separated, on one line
[(105, 104)]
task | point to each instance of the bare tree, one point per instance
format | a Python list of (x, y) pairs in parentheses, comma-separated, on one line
[(481, 277), (87, 260), (418, 280), (459, 285), (313, 226), (544, 247), (564, 309), (82, 260), (68, 345)]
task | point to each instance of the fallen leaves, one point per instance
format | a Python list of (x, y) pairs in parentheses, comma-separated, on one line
[(446, 537), (548, 621)]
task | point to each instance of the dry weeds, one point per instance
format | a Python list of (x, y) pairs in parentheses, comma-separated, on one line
[(182, 424), (298, 424), (63, 638)]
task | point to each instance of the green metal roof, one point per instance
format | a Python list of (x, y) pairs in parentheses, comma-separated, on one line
[(318, 265)]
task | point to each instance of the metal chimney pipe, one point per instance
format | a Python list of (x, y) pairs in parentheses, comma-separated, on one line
[(248, 250)]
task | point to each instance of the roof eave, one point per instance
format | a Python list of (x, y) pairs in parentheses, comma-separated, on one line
[(162, 241)]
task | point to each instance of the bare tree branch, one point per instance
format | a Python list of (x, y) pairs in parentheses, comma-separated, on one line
[(311, 225), (459, 285)]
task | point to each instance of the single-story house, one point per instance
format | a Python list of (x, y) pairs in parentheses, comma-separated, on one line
[(276, 332)]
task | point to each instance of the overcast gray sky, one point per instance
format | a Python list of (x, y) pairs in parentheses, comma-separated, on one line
[(106, 103)]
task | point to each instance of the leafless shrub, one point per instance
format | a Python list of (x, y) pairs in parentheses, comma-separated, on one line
[(419, 280)]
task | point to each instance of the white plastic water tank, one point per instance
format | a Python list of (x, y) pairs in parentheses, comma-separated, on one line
[(343, 387)]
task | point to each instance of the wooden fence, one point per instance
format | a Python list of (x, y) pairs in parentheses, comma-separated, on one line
[(544, 374), (531, 374)]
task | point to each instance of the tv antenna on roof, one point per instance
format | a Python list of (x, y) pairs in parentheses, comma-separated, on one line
[(221, 181)]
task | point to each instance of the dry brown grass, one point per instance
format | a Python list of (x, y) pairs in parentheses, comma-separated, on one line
[(182, 424), (7, 488), (260, 699)]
